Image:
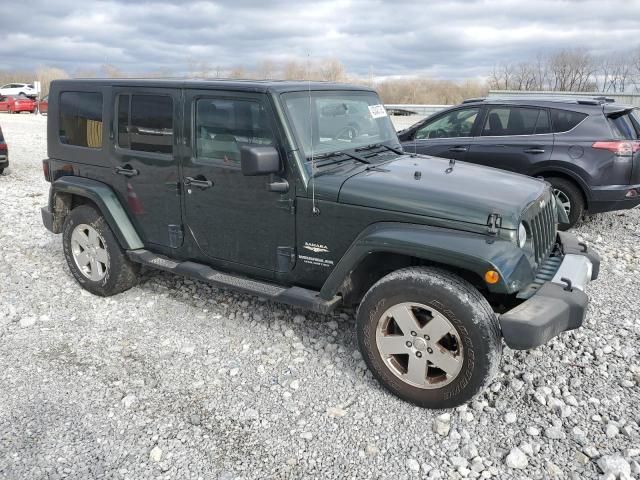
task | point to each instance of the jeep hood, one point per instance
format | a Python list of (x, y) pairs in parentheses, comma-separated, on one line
[(430, 186)]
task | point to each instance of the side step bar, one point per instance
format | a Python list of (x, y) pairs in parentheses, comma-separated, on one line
[(296, 296)]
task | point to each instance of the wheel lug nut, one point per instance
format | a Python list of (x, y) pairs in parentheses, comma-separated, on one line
[(430, 350), (426, 337), (409, 344), (413, 334), (418, 354)]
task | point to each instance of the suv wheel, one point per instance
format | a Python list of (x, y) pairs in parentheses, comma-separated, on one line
[(429, 337), (570, 197), (93, 254)]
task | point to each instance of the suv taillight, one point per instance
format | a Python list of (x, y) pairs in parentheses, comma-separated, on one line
[(45, 169), (3, 147), (622, 148)]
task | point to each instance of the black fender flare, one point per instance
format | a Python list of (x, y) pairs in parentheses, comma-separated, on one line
[(107, 202), (473, 252)]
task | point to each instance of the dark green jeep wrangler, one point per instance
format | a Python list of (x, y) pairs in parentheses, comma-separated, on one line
[(299, 192)]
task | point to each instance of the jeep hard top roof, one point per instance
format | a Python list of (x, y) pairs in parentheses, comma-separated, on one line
[(585, 105), (264, 86)]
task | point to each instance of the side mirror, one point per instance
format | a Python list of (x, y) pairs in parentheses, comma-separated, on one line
[(259, 160)]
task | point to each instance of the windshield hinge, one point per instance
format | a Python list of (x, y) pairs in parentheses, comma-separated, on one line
[(494, 222)]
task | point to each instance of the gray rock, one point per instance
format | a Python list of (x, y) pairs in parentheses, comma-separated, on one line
[(614, 465), (516, 459), (413, 465)]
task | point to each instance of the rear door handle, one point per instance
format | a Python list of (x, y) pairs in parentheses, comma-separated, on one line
[(458, 149), (127, 171), (198, 182), (534, 150)]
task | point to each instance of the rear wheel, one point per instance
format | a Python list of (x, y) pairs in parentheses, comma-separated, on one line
[(429, 337), (1, 171), (568, 195), (93, 254)]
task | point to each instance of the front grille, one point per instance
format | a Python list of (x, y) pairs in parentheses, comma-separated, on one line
[(542, 222)]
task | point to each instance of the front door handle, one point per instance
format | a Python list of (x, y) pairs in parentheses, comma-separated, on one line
[(458, 149), (534, 150), (198, 182), (127, 171)]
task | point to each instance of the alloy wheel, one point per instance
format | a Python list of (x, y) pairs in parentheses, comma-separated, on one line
[(419, 345), (563, 199), (89, 252)]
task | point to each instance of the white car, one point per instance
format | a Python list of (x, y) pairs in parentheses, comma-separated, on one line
[(17, 89)]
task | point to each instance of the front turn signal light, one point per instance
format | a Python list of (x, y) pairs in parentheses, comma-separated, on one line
[(491, 277)]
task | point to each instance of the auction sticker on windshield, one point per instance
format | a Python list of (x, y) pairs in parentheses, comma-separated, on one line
[(377, 111)]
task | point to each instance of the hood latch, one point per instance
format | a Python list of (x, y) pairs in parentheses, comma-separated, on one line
[(494, 222)]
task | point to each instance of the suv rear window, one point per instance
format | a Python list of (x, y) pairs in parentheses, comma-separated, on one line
[(81, 119), (565, 120), (624, 126), (145, 123)]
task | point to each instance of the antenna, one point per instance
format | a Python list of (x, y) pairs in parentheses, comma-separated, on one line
[(315, 210)]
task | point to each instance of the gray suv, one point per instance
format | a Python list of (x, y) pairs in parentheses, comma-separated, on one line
[(588, 149)]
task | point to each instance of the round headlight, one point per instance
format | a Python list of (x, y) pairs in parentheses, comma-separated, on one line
[(522, 235)]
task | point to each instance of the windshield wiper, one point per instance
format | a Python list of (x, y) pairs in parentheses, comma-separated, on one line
[(378, 145), (339, 154)]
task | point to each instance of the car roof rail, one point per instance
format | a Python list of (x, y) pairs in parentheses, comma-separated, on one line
[(473, 100)]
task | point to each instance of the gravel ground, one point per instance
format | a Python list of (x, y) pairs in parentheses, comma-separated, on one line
[(175, 379)]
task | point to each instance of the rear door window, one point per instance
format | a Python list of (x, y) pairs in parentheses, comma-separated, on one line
[(565, 120), (145, 123), (81, 119), (508, 121)]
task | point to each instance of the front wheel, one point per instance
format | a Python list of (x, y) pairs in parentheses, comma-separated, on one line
[(93, 254), (429, 337)]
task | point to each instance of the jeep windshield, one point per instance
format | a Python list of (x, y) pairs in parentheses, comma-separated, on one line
[(327, 123)]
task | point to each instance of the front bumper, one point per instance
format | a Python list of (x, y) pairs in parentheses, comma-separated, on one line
[(559, 305)]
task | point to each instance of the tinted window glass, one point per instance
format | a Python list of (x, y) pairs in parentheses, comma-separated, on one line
[(123, 121), (455, 124), (1, 137), (145, 123), (623, 127), (503, 121), (543, 125), (564, 120), (223, 127), (81, 119)]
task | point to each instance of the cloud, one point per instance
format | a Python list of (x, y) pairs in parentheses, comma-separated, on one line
[(445, 39)]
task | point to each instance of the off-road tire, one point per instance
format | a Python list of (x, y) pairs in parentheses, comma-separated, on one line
[(573, 193), (464, 307), (121, 273), (1, 170)]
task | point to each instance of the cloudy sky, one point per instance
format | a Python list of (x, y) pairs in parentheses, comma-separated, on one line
[(444, 39)]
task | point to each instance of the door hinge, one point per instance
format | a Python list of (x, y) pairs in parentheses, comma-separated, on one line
[(176, 236), (494, 222), (286, 258), (287, 204)]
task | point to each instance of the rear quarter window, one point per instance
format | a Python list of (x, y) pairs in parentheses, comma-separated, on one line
[(81, 119), (565, 120), (624, 127)]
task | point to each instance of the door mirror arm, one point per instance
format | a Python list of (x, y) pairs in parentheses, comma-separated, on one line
[(277, 184)]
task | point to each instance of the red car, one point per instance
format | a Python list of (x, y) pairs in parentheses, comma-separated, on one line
[(43, 105), (17, 104)]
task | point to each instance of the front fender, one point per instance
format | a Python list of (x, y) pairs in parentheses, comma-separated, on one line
[(473, 252), (107, 202)]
